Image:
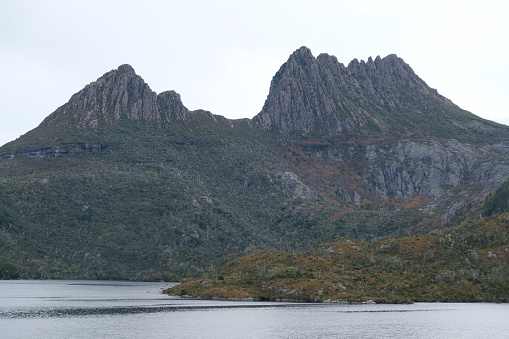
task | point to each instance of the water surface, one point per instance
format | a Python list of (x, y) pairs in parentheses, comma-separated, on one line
[(116, 309)]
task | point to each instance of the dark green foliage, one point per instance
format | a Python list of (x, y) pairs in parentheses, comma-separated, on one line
[(152, 199), (8, 271), (497, 202), (140, 198), (164, 276)]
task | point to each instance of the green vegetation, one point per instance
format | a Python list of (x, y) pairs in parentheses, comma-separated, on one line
[(138, 198), (8, 271), (497, 202), (164, 276), (465, 264)]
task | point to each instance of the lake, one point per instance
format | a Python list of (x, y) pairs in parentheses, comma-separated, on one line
[(120, 309)]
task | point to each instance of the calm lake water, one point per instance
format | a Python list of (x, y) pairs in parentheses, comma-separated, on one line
[(119, 309)]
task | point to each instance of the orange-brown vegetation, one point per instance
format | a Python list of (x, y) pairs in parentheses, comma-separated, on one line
[(417, 201), (469, 263)]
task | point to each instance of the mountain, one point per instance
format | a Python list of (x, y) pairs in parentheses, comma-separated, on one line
[(118, 95), (374, 134), (122, 182), (320, 95)]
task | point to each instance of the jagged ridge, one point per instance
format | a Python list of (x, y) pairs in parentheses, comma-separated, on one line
[(118, 95), (308, 95), (311, 95)]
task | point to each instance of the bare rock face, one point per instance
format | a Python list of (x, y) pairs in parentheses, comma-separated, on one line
[(170, 106), (292, 186), (311, 95), (298, 100), (120, 94), (448, 169), (411, 143), (320, 94), (440, 177)]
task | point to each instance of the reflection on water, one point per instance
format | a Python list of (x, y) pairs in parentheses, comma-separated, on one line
[(123, 310), (99, 309)]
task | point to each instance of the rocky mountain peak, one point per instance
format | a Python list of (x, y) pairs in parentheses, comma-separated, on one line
[(126, 69), (170, 105), (309, 95), (320, 95), (120, 94), (303, 54)]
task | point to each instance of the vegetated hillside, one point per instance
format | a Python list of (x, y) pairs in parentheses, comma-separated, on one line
[(121, 182), (142, 199), (144, 202), (464, 264)]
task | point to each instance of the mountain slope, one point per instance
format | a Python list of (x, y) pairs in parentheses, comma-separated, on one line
[(121, 182)]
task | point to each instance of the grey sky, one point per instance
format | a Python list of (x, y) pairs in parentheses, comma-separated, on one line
[(221, 55)]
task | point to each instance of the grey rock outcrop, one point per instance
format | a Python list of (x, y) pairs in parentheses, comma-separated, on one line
[(170, 106), (120, 94), (311, 95), (449, 176), (432, 168), (291, 185)]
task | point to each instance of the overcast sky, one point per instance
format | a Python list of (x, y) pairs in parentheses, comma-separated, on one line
[(221, 55)]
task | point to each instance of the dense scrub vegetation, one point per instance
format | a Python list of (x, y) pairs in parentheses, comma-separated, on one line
[(8, 271), (497, 202), (464, 264), (140, 199)]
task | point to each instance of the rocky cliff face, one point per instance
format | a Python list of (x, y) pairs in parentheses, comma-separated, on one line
[(434, 168), (120, 94), (311, 95), (442, 178)]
